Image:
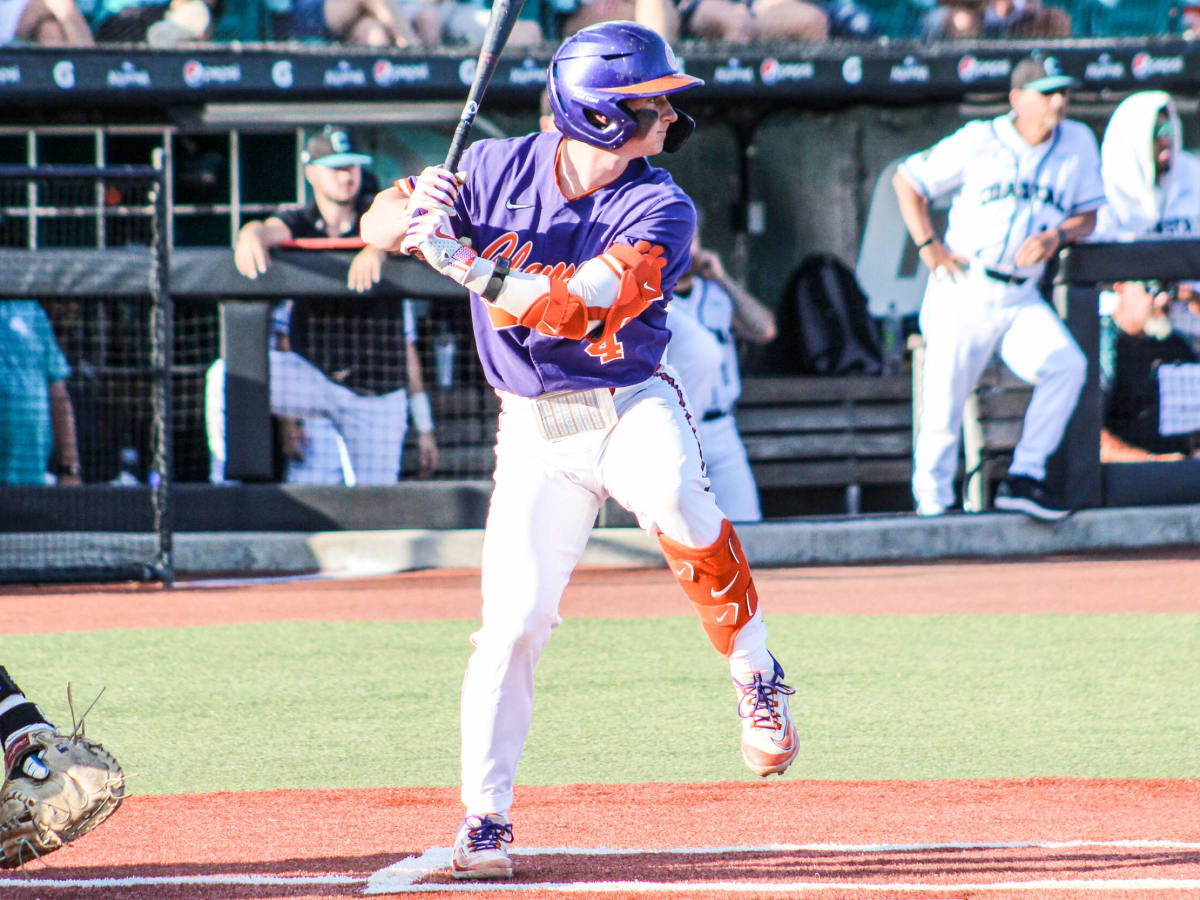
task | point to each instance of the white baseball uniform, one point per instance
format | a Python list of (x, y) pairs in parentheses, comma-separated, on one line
[(703, 352), (1007, 190), (580, 421), (352, 438)]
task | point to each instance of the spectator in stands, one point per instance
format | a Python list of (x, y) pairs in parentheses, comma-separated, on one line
[(465, 22), (385, 23), (51, 22), (660, 15), (709, 311), (160, 23), (1134, 343), (969, 19), (766, 20), (1189, 21), (354, 362), (37, 420)]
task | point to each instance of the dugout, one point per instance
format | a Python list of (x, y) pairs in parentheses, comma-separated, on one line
[(791, 144)]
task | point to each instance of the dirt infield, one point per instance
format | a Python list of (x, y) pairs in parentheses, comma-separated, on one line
[(755, 839), (1041, 838), (1145, 583)]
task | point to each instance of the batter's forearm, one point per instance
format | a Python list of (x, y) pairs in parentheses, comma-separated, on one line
[(384, 224)]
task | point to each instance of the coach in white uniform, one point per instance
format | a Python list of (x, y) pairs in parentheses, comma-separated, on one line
[(1028, 184), (710, 309)]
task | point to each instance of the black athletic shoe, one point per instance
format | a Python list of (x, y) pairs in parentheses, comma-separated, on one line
[(1020, 493)]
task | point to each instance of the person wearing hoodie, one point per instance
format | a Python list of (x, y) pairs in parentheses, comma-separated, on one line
[(1151, 184), (1152, 189)]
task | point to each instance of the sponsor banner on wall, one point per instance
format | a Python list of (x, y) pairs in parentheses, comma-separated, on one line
[(822, 75)]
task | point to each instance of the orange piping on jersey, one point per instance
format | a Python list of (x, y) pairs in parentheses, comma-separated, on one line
[(558, 184)]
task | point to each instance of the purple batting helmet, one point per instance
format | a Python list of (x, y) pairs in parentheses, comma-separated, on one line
[(602, 65)]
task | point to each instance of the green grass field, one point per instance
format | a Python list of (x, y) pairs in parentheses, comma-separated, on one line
[(879, 697)]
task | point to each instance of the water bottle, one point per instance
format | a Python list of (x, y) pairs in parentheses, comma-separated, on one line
[(443, 358), (893, 350), (129, 467)]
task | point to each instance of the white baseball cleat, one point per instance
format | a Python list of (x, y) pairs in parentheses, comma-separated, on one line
[(479, 847), (769, 742)]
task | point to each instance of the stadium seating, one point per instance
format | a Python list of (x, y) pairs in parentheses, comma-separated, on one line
[(1122, 18)]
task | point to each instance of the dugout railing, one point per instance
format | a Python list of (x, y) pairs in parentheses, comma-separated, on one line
[(124, 530), (217, 313), (106, 313), (1084, 269)]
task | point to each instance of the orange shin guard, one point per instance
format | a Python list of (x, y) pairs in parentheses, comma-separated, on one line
[(717, 581)]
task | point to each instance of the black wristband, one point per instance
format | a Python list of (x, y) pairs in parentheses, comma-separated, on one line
[(925, 243), (1062, 236), (492, 290)]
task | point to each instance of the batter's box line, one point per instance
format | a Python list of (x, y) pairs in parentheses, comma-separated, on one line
[(404, 876)]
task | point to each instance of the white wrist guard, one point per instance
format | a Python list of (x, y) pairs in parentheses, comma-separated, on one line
[(420, 411)]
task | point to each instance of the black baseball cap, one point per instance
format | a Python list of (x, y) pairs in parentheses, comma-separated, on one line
[(334, 147), (1040, 74)]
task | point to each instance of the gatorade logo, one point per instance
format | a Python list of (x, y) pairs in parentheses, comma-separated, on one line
[(64, 74), (852, 70), (282, 75)]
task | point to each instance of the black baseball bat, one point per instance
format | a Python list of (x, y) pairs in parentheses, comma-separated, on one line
[(500, 25)]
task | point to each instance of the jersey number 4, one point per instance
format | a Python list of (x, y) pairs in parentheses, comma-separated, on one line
[(607, 349)]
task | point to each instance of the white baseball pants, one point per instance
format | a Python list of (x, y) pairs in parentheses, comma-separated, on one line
[(323, 461), (542, 510), (729, 471), (963, 324), (372, 428)]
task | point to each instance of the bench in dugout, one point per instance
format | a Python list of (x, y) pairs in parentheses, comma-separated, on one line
[(845, 433)]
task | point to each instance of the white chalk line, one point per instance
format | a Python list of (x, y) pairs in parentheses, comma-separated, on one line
[(403, 875), (797, 887), (151, 881)]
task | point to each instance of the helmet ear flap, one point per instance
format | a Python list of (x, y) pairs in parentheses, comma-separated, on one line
[(679, 131)]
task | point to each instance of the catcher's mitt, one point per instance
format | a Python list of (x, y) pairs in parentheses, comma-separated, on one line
[(85, 785)]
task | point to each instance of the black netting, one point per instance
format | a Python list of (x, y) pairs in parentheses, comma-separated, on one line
[(84, 463)]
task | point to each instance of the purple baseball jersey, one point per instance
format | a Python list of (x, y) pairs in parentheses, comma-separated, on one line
[(511, 206)]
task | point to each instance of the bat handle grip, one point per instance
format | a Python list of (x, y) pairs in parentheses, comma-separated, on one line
[(458, 143)]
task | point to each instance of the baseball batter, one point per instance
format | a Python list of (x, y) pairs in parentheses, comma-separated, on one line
[(709, 310), (1028, 183), (579, 244)]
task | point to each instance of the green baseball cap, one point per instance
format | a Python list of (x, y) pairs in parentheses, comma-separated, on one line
[(1041, 75), (333, 147)]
